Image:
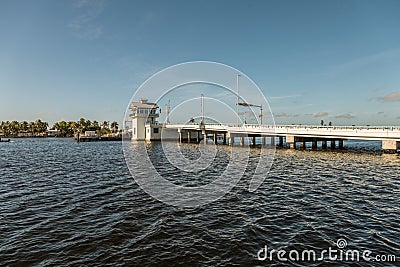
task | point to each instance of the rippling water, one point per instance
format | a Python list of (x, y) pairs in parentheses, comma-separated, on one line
[(69, 204)]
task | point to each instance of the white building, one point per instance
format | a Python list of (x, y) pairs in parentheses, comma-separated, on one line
[(144, 120)]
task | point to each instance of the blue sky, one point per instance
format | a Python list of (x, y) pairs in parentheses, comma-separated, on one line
[(333, 60)]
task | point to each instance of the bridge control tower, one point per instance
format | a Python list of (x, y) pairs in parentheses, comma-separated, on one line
[(144, 120)]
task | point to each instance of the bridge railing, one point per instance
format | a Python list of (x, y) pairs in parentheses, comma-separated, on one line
[(299, 127), (381, 128)]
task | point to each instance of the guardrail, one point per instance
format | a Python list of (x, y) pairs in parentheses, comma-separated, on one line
[(382, 128)]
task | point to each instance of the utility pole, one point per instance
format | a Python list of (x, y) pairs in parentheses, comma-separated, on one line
[(202, 108), (237, 99), (168, 110)]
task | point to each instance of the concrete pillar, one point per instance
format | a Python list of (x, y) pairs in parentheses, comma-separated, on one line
[(224, 140), (197, 137), (314, 145), (215, 138), (304, 144), (340, 144), (189, 137), (291, 140), (272, 140), (390, 146), (253, 141), (205, 137), (180, 137), (280, 140), (324, 144), (263, 140), (333, 144), (241, 140), (231, 139)]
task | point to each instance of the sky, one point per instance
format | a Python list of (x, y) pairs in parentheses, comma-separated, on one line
[(335, 61)]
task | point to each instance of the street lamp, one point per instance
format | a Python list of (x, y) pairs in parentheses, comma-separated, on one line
[(237, 99), (252, 105)]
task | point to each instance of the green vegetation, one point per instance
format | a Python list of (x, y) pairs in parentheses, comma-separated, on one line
[(64, 129)]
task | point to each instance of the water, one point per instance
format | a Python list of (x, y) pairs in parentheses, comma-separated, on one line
[(69, 204)]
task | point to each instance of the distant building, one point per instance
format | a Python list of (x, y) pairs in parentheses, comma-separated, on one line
[(144, 120), (52, 133), (90, 134)]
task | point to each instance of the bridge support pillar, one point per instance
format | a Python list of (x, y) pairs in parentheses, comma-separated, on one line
[(272, 140), (215, 138), (241, 140), (205, 137), (291, 139), (189, 136), (340, 144), (390, 146), (324, 144), (303, 145), (314, 145), (263, 140), (253, 141), (333, 144), (224, 140), (280, 141), (231, 139)]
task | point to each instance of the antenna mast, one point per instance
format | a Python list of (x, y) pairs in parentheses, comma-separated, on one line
[(168, 110), (202, 108)]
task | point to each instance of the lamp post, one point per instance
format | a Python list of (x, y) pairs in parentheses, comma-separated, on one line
[(202, 109), (237, 99), (252, 105)]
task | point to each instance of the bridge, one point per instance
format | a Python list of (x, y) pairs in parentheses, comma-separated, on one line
[(146, 127), (295, 136)]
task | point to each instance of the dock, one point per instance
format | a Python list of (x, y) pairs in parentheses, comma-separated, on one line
[(91, 136)]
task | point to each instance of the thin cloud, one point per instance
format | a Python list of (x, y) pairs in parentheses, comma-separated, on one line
[(283, 97), (320, 114), (393, 97), (281, 115), (363, 61), (285, 115), (344, 116), (84, 25)]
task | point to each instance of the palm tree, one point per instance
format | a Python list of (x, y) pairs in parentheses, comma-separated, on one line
[(81, 125), (41, 126), (105, 124), (24, 126), (32, 128), (114, 126), (14, 128), (88, 123), (74, 126), (62, 127), (95, 126), (5, 127)]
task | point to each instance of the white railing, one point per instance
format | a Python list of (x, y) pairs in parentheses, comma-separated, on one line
[(355, 127), (346, 132)]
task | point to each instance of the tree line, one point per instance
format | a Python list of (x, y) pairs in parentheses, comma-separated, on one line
[(64, 128)]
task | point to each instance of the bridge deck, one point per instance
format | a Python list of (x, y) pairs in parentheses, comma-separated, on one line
[(338, 132)]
